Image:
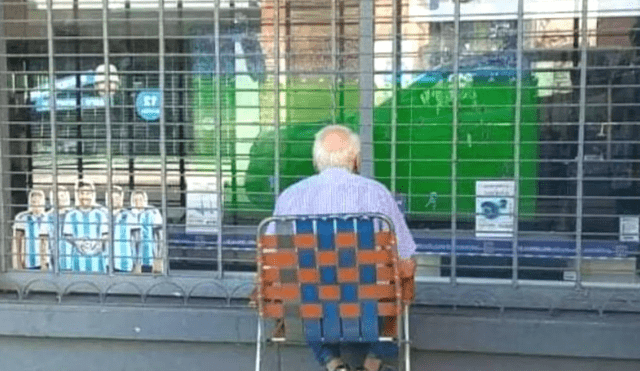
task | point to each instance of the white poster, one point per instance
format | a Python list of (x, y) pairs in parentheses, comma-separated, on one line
[(494, 208), (508, 9), (630, 229), (202, 205)]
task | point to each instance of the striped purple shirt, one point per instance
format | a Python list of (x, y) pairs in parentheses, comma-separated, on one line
[(337, 191)]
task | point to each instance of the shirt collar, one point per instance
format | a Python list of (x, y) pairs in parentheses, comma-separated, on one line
[(335, 171)]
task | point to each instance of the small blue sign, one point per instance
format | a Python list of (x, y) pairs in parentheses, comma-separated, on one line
[(148, 104)]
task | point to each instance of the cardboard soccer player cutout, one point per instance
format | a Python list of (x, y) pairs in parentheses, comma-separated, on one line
[(149, 235), (86, 227), (124, 224), (30, 235), (64, 246)]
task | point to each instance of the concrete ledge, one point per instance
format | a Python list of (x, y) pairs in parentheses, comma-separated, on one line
[(487, 331)]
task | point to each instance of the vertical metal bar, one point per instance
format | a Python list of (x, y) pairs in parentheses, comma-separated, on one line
[(218, 103), (454, 139), (80, 150), (276, 101), (334, 63), (396, 59), (107, 118), (516, 142), (341, 49), (582, 118), (129, 113), (259, 344), (52, 121), (163, 139), (5, 183), (407, 340), (366, 55)]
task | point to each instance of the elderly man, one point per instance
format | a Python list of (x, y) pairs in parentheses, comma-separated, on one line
[(339, 189)]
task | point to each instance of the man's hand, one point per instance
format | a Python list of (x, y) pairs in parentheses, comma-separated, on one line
[(253, 298), (157, 266), (407, 271)]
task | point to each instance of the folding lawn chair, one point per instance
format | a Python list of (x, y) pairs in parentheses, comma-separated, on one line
[(338, 274)]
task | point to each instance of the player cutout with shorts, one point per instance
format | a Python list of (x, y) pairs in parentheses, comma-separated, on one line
[(86, 227), (149, 235), (124, 225), (30, 235), (64, 247)]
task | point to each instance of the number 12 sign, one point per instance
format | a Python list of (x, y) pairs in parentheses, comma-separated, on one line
[(148, 104)]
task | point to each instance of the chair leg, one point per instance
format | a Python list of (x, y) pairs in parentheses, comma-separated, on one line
[(407, 344), (259, 344)]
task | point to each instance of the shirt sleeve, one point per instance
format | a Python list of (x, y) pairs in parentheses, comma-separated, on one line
[(44, 227), (67, 228), (157, 219), (104, 225), (406, 244), (19, 223)]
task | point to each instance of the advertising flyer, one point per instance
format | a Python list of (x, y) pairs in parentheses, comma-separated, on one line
[(202, 205), (495, 208)]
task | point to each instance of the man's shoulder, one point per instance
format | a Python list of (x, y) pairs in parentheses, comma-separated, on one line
[(99, 210), (318, 181), (301, 185), (23, 214), (21, 218), (371, 185)]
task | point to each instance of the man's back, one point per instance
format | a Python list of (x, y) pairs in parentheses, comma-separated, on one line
[(337, 191)]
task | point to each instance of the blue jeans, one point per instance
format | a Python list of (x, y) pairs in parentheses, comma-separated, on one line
[(324, 352)]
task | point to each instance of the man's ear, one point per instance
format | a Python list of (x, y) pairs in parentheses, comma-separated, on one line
[(356, 165)]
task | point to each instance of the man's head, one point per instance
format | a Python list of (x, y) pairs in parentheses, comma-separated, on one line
[(36, 201), (138, 199), (64, 199), (85, 194), (116, 196), (100, 82), (336, 146)]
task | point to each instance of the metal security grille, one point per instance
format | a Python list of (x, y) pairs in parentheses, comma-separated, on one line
[(506, 129)]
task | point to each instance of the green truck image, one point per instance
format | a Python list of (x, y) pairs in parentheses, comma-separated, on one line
[(486, 131)]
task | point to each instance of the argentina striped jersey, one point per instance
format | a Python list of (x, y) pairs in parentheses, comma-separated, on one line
[(124, 223), (150, 223), (34, 227), (64, 247), (87, 230)]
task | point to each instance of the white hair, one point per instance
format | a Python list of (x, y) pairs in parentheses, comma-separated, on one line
[(342, 158)]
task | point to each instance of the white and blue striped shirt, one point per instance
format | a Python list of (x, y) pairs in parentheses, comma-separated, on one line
[(337, 191), (150, 223), (64, 247), (34, 227), (124, 223), (87, 230)]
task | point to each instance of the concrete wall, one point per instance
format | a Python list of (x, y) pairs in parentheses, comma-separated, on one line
[(127, 337)]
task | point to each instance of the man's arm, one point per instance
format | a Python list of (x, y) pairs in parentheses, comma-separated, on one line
[(44, 252), (17, 247), (158, 253), (404, 238), (406, 248)]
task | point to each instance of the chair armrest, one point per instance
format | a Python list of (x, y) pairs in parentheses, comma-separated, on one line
[(407, 270)]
